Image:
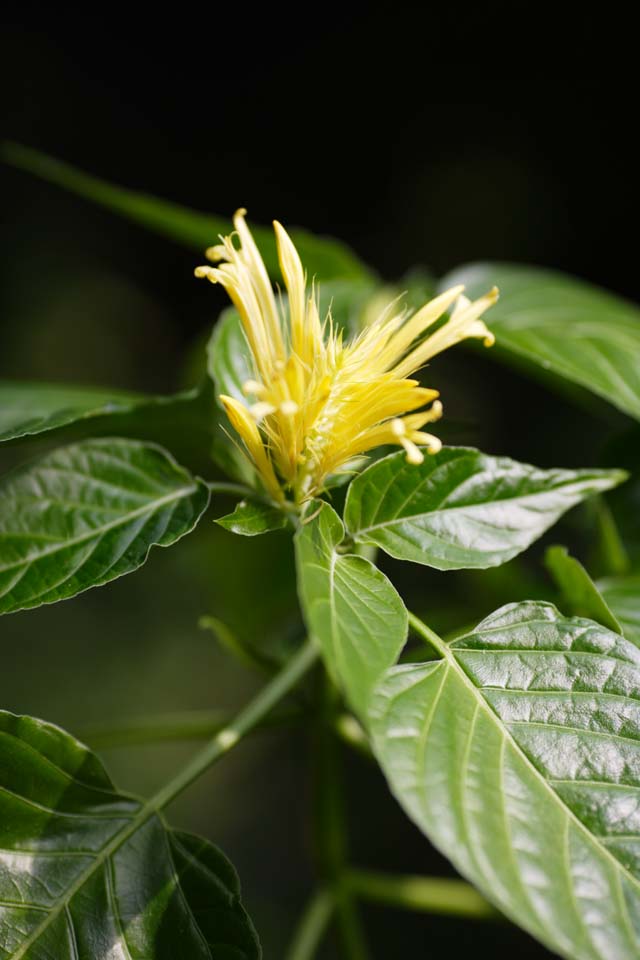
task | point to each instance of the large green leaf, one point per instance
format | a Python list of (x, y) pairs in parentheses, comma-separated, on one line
[(351, 608), (87, 873), (563, 326), (462, 508), (324, 257), (88, 513), (518, 754), (622, 594)]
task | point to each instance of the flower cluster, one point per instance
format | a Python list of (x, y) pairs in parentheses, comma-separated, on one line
[(315, 401)]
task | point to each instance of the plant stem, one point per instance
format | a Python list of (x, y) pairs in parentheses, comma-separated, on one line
[(248, 718), (162, 728), (233, 489), (203, 724), (425, 894), (428, 634), (352, 733), (331, 839), (312, 925)]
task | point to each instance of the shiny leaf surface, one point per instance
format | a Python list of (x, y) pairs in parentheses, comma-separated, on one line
[(518, 754), (351, 608), (88, 513), (461, 508), (250, 519)]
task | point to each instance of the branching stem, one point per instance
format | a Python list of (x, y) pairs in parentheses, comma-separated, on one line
[(428, 634), (439, 895), (331, 831), (248, 718)]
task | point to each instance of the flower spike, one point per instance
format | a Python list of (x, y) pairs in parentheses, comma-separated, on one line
[(316, 402)]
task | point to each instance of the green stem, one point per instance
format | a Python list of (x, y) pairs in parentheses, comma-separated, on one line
[(233, 489), (331, 834), (163, 728), (203, 724), (313, 923), (245, 721), (425, 894), (352, 733), (428, 635)]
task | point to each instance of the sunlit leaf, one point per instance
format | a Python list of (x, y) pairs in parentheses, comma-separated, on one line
[(461, 508), (88, 513), (251, 518), (518, 755), (351, 608)]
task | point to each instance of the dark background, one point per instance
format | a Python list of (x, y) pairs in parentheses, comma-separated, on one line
[(328, 118)]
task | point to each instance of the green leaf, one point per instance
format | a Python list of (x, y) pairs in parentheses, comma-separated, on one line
[(250, 519), (228, 354), (183, 422), (462, 508), (88, 513), (564, 326), (31, 408), (518, 755), (580, 592), (327, 258), (622, 594), (229, 368), (350, 607), (88, 872)]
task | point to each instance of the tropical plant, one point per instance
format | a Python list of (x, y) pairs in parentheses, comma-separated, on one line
[(513, 743)]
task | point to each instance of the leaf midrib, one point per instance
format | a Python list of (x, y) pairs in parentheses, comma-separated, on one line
[(97, 532), (452, 663), (145, 813), (468, 508)]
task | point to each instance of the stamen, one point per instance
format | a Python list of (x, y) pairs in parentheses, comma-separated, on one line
[(252, 386), (398, 428), (322, 402), (433, 444), (261, 410), (415, 456), (436, 411)]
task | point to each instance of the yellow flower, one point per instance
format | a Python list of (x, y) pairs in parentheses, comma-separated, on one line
[(316, 402)]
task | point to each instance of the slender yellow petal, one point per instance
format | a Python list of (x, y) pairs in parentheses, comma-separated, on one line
[(316, 403), (294, 279), (464, 322), (245, 426)]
